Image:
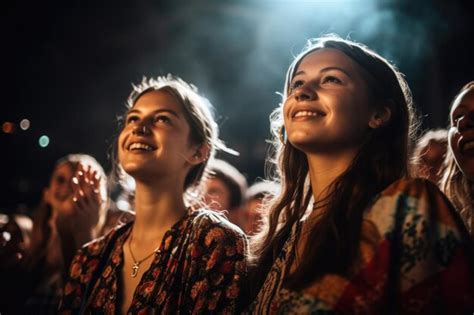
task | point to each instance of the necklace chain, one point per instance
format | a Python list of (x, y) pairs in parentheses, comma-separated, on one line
[(136, 264)]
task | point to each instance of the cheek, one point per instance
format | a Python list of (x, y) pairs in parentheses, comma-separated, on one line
[(120, 143), (465, 163), (453, 138), (284, 113)]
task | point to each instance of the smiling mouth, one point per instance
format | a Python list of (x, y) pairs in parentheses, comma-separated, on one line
[(139, 146), (308, 113)]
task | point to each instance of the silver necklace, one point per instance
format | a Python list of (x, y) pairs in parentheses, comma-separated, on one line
[(136, 264)]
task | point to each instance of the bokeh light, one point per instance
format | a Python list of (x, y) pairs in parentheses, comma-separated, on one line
[(8, 127), (25, 124), (43, 141)]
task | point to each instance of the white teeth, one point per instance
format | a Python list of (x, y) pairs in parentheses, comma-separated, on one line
[(304, 113), (140, 146), (468, 145)]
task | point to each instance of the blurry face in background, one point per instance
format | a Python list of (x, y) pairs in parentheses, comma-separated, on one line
[(59, 192), (252, 216), (217, 196), (431, 160), (461, 132)]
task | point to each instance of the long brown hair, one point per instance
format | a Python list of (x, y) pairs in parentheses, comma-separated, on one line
[(454, 184), (333, 242)]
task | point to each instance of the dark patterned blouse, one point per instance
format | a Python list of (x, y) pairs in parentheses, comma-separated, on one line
[(198, 269), (432, 266)]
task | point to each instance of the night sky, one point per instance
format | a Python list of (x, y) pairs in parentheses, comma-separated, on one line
[(68, 67)]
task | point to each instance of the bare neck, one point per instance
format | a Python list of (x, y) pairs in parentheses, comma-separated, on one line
[(324, 169), (156, 210)]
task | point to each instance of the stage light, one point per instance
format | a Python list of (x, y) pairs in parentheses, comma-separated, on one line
[(43, 141), (25, 124), (8, 127)]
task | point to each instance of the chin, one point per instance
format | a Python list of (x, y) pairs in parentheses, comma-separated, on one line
[(306, 144)]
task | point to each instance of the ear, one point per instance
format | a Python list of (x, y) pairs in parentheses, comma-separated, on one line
[(200, 154), (380, 117)]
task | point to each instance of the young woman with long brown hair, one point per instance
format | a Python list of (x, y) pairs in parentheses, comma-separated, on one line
[(350, 232)]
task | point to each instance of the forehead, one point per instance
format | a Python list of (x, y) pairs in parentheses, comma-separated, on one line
[(328, 57), (64, 168), (216, 183), (158, 99), (465, 99)]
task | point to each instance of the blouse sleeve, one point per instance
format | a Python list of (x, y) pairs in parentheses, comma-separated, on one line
[(432, 252), (81, 270), (74, 287), (221, 269)]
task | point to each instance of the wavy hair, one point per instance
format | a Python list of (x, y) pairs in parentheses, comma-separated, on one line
[(382, 158), (458, 188)]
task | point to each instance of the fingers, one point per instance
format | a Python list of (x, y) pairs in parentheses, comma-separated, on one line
[(86, 189)]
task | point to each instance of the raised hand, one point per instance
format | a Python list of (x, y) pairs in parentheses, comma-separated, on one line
[(87, 202)]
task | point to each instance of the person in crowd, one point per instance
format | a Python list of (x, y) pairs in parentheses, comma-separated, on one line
[(225, 190), (70, 214), (458, 177), (350, 232), (172, 258), (15, 237), (255, 199), (429, 154)]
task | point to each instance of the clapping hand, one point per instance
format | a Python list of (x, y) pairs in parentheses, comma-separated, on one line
[(87, 202)]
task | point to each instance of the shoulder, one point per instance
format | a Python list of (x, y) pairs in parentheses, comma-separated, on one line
[(414, 194), (417, 206), (207, 219), (96, 246), (412, 187), (212, 228)]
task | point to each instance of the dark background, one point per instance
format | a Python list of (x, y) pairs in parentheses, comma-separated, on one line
[(68, 67)]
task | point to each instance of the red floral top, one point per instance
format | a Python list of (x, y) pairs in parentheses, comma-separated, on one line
[(198, 269)]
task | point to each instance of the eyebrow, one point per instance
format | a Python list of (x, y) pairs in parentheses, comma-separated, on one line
[(326, 70), (172, 112)]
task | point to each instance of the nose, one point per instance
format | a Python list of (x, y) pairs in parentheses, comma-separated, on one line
[(466, 122), (305, 93), (141, 129)]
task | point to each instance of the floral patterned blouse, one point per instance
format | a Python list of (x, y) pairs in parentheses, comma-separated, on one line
[(434, 264), (198, 270)]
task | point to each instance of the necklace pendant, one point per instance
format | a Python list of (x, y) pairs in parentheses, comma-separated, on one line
[(135, 268)]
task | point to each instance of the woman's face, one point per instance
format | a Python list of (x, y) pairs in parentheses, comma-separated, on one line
[(327, 108), (59, 192), (461, 132), (154, 142)]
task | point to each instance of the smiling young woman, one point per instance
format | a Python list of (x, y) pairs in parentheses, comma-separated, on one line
[(350, 232), (172, 258), (458, 178)]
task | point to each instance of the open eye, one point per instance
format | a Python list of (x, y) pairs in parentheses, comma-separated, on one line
[(131, 119), (331, 79), (60, 179), (162, 119), (296, 84)]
